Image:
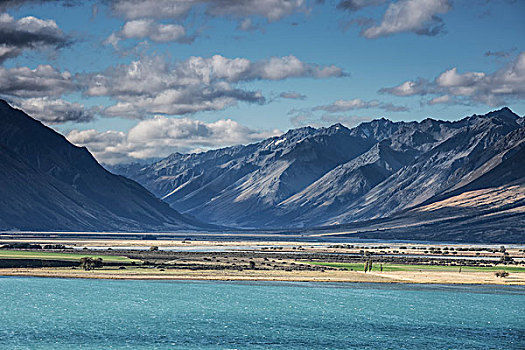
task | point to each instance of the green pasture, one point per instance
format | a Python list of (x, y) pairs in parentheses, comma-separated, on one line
[(23, 254)]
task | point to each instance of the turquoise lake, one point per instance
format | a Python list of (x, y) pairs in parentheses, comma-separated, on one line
[(40, 313)]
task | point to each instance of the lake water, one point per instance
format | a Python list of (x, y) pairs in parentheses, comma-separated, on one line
[(38, 313)]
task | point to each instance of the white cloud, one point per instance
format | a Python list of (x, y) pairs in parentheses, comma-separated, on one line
[(506, 84), (153, 85), (42, 81), (143, 12), (271, 10), (408, 88), (55, 111), (161, 136), (440, 100), (147, 28), (135, 9), (28, 33), (418, 16), (451, 78), (279, 68)]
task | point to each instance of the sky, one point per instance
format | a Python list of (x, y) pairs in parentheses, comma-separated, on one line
[(138, 80)]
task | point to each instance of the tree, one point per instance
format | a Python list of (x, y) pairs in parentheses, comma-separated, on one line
[(369, 264), (89, 263), (502, 274), (366, 266), (154, 248), (506, 258)]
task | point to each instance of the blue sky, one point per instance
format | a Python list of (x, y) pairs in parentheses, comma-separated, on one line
[(134, 80)]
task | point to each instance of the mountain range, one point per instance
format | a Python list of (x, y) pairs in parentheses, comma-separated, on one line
[(48, 184), (430, 180), (380, 171)]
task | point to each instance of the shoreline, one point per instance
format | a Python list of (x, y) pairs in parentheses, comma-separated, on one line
[(477, 278)]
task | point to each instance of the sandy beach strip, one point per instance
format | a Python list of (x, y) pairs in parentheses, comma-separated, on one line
[(422, 277)]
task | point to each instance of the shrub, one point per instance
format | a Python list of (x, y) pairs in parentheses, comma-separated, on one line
[(21, 246), (502, 274), (88, 263)]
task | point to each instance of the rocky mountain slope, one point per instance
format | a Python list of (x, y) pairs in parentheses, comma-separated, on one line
[(48, 184), (331, 176)]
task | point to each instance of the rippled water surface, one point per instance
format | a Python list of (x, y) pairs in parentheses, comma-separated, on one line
[(37, 313)]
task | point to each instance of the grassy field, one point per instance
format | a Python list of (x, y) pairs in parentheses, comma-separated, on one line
[(19, 254), (393, 267)]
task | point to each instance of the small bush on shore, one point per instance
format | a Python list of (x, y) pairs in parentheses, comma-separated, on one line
[(502, 274)]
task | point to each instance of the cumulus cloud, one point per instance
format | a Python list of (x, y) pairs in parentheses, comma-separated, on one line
[(440, 100), (136, 9), (28, 33), (55, 111), (409, 88), (272, 10), (161, 136), (42, 81), (147, 28), (245, 11), (495, 89), (418, 16), (141, 13), (36, 92), (348, 105), (152, 85)]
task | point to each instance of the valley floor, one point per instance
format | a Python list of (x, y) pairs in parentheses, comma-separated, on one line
[(181, 259)]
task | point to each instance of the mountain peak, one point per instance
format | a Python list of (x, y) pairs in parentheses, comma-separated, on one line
[(306, 130), (336, 128), (503, 112)]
